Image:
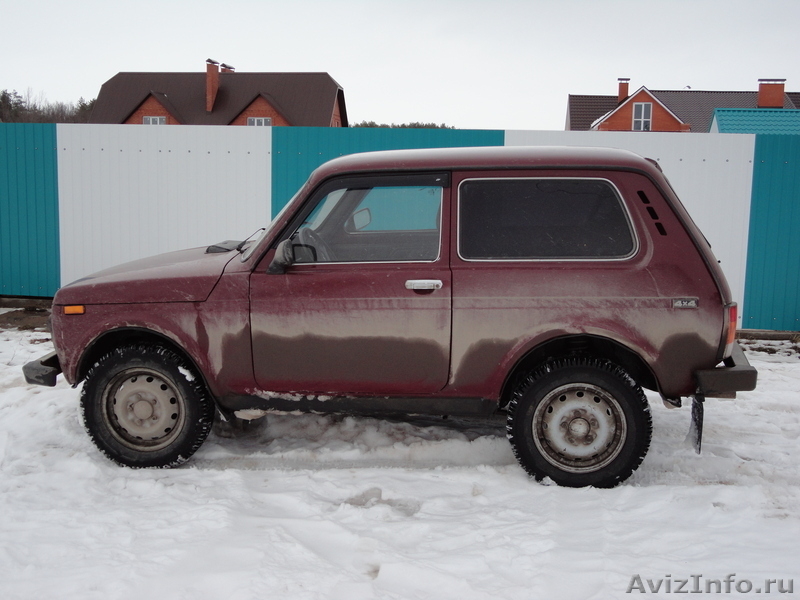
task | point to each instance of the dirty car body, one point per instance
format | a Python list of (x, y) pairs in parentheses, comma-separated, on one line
[(550, 283)]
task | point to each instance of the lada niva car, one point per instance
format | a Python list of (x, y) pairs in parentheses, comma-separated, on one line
[(548, 284)]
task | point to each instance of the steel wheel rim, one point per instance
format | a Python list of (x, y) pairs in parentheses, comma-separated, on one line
[(579, 428), (143, 410)]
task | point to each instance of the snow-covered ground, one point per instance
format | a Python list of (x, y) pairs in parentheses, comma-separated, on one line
[(342, 508)]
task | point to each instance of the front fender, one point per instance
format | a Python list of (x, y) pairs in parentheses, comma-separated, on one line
[(214, 336)]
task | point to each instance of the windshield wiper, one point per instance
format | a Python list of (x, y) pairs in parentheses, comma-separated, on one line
[(225, 246)]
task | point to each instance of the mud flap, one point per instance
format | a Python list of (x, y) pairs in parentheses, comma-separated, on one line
[(43, 371), (695, 435)]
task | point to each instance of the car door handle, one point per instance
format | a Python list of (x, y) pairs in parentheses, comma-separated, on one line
[(423, 284)]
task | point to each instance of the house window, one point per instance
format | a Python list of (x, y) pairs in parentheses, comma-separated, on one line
[(642, 116), (259, 121), (154, 120)]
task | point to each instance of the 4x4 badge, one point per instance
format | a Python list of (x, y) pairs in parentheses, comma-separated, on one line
[(685, 303)]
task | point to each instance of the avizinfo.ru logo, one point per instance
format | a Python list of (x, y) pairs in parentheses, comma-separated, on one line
[(698, 584)]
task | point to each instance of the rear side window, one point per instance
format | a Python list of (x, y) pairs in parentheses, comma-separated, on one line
[(546, 219)]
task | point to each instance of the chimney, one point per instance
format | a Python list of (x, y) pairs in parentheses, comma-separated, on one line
[(770, 93), (212, 83), (227, 68), (623, 90)]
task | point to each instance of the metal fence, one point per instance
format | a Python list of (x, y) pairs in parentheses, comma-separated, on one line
[(75, 199)]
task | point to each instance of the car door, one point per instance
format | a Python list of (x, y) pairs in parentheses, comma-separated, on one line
[(365, 308)]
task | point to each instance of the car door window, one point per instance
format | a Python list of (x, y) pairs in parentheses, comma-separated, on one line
[(371, 223)]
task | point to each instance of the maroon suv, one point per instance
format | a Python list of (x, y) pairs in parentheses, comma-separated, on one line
[(552, 284)]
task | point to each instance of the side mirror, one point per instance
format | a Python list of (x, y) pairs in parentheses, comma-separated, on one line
[(283, 259), (358, 220)]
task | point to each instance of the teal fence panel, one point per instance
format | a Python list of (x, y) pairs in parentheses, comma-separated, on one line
[(772, 288), (29, 243), (296, 151)]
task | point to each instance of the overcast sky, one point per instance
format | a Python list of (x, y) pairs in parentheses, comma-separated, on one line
[(493, 64)]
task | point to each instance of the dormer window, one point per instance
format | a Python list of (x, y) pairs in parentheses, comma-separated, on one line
[(642, 116), (260, 121), (154, 120)]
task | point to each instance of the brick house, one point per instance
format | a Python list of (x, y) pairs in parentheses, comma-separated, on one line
[(669, 110), (221, 97)]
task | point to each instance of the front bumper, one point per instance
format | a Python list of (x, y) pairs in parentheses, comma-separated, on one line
[(43, 371), (724, 381)]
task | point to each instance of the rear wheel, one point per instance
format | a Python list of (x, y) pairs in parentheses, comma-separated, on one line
[(580, 422), (144, 407)]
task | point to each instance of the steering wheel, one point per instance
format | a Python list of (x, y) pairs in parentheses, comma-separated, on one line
[(308, 237)]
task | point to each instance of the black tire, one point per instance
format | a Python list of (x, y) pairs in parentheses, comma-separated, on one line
[(144, 406), (580, 422)]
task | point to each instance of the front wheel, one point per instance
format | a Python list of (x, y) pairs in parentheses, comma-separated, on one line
[(144, 407), (580, 422)]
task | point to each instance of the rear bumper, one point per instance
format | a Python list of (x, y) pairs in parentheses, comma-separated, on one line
[(43, 371), (735, 376)]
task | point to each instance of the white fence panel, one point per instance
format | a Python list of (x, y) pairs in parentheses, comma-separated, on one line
[(711, 173), (127, 192)]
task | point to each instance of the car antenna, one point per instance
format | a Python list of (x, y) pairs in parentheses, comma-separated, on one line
[(242, 243)]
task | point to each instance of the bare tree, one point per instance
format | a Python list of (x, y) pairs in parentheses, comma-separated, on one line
[(415, 125), (15, 108)]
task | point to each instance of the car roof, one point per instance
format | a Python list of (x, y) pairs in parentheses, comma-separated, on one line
[(484, 158)]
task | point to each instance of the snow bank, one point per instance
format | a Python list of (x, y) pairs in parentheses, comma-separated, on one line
[(314, 507)]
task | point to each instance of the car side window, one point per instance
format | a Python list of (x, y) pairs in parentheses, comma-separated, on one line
[(365, 223), (542, 219)]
